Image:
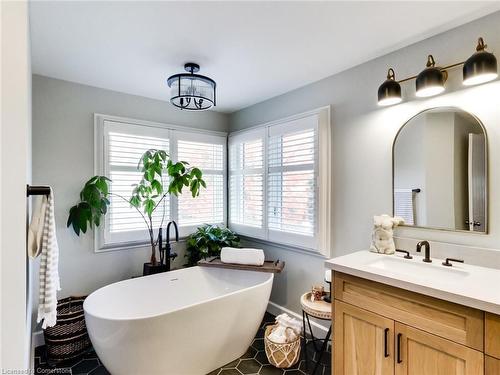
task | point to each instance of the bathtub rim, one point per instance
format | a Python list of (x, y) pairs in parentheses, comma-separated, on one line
[(270, 279)]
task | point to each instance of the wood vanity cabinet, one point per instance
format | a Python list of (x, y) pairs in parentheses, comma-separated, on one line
[(383, 330)]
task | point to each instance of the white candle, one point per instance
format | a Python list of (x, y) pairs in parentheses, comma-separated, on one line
[(328, 276)]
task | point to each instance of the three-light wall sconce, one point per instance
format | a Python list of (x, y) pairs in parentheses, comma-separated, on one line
[(481, 67)]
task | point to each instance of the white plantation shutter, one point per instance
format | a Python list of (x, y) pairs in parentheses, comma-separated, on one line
[(246, 183), (275, 184), (292, 190), (209, 154), (123, 147), (119, 145)]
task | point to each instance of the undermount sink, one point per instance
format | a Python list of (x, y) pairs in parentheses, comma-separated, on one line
[(416, 268)]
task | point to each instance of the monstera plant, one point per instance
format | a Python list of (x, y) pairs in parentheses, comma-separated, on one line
[(146, 196)]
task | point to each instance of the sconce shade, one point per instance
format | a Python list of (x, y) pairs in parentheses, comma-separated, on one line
[(431, 80), (480, 67), (190, 91), (389, 92)]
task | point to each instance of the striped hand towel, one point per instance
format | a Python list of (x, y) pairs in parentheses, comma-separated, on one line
[(35, 229), (49, 273)]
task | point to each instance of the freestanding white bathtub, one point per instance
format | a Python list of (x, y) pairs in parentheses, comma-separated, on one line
[(189, 321)]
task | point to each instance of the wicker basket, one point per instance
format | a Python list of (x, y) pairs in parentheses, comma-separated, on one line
[(281, 355), (68, 338)]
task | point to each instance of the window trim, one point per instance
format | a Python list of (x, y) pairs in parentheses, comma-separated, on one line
[(324, 184), (100, 168)]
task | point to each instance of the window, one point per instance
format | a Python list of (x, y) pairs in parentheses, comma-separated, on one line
[(208, 153), (279, 184), (246, 183), (119, 146)]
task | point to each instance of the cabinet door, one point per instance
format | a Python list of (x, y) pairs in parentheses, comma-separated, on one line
[(419, 352), (491, 365), (364, 342)]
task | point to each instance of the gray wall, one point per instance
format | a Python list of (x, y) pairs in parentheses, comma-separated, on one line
[(63, 155), (362, 136)]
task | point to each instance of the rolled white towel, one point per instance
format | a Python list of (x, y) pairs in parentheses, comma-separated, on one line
[(246, 256)]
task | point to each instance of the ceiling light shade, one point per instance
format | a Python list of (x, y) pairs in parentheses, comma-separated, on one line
[(389, 92), (480, 67), (192, 91), (431, 80)]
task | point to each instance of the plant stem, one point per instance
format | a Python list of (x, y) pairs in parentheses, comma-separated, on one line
[(143, 217), (150, 229), (151, 237)]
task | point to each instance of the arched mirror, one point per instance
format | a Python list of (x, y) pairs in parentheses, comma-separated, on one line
[(440, 169)]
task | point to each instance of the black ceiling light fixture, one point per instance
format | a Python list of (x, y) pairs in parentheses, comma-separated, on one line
[(191, 91), (481, 67), (389, 92), (430, 81)]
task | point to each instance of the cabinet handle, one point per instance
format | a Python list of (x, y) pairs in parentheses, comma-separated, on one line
[(398, 347), (386, 342)]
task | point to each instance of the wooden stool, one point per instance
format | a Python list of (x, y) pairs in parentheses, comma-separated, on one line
[(319, 310)]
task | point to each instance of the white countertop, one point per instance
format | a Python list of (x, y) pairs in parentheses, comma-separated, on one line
[(467, 285)]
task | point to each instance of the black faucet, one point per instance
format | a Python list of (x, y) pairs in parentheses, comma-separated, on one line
[(427, 246), (168, 248)]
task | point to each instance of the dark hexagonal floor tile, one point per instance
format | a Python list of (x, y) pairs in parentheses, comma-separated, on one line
[(304, 368), (85, 366), (258, 344), (326, 358), (232, 364), (91, 354), (293, 372), (268, 317), (270, 370), (250, 353), (262, 358), (101, 370), (260, 333), (230, 371), (249, 366)]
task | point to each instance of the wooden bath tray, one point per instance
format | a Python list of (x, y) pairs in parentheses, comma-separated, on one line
[(268, 266)]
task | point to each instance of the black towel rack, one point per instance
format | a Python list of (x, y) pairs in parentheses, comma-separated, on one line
[(37, 190), (416, 190)]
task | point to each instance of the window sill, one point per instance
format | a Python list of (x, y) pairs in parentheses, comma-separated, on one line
[(128, 246), (297, 249)]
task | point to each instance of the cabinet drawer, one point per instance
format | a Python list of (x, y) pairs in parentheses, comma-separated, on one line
[(492, 335), (457, 323)]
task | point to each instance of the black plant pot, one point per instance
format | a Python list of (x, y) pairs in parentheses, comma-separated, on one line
[(149, 269)]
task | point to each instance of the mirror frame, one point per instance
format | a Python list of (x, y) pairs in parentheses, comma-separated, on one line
[(487, 167)]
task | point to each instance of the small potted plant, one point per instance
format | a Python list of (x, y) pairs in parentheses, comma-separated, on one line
[(207, 241), (147, 195)]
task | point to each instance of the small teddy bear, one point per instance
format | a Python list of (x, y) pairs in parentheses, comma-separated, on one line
[(382, 235)]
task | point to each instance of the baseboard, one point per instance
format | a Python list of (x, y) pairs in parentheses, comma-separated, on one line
[(37, 339), (319, 330)]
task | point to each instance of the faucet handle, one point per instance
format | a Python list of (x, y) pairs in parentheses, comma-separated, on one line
[(407, 256), (448, 260)]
